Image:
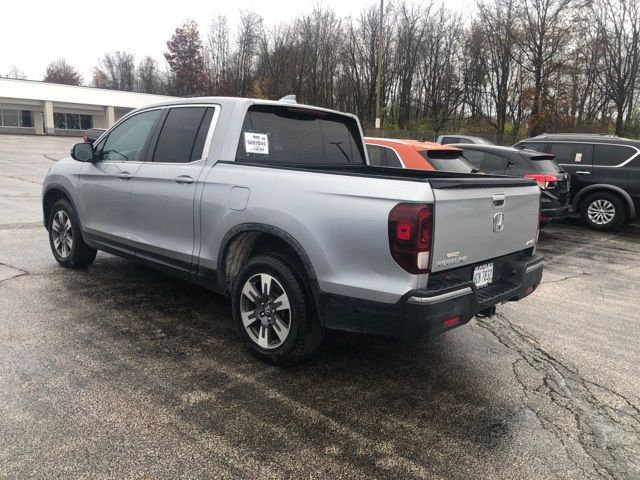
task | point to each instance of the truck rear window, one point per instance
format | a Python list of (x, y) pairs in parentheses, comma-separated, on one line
[(293, 135)]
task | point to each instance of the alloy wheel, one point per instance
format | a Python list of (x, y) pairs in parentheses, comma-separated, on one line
[(62, 233), (601, 212), (265, 311)]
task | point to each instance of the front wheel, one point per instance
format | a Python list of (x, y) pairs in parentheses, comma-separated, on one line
[(272, 312), (603, 211), (65, 238)]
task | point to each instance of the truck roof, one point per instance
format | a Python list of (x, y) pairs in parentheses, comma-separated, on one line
[(232, 101)]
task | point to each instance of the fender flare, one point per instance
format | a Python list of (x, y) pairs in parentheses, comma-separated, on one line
[(605, 186), (275, 231), (63, 189)]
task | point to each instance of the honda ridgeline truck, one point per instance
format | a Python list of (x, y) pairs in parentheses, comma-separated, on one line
[(274, 204)]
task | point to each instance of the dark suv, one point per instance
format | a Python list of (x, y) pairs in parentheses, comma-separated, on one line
[(605, 174), (541, 167)]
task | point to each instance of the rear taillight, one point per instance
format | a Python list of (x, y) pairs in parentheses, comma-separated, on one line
[(410, 229), (85, 139), (544, 181)]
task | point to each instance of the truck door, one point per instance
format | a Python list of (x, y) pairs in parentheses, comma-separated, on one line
[(105, 184), (163, 191)]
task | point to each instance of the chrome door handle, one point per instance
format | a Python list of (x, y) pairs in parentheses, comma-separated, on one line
[(583, 172), (183, 179), (125, 175)]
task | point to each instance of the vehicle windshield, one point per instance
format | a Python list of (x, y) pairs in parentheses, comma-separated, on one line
[(482, 141), (447, 161), (544, 164)]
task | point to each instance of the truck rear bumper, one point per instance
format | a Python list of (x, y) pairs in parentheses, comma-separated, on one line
[(429, 312)]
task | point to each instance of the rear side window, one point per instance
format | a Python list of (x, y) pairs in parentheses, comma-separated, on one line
[(537, 146), (612, 155), (572, 153), (383, 157), (450, 140), (392, 158), (291, 135), (447, 161), (182, 136)]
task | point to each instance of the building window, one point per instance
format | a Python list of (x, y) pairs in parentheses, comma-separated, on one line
[(26, 118), (10, 118), (16, 118), (72, 121), (86, 121)]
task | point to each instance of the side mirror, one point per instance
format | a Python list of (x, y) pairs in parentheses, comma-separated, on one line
[(82, 152)]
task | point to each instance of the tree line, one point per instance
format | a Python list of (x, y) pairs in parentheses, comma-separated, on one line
[(515, 67)]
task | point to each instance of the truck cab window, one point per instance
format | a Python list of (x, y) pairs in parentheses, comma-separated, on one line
[(292, 135), (182, 136)]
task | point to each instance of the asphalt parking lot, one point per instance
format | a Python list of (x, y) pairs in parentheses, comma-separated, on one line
[(119, 371)]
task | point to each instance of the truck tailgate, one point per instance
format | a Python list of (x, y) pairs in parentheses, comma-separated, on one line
[(480, 219)]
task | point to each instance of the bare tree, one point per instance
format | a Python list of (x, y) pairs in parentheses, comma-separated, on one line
[(115, 71), (59, 71), (16, 72), (245, 59), (618, 41), (499, 24), (217, 57), (546, 32), (149, 78)]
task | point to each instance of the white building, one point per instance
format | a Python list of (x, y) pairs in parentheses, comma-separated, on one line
[(28, 106)]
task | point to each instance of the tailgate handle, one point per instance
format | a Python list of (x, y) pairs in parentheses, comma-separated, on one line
[(498, 200)]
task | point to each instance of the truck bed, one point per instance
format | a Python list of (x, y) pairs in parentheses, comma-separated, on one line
[(437, 179)]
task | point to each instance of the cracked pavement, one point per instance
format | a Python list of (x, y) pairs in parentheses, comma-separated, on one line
[(119, 371)]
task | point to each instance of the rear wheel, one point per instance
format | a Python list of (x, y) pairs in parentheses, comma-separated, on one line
[(65, 238), (272, 313), (603, 211)]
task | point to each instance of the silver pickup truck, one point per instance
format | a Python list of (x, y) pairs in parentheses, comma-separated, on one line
[(273, 203)]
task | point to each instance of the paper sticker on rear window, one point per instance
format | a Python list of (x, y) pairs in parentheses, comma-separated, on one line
[(578, 157), (256, 143)]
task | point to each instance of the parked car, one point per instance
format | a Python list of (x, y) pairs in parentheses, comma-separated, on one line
[(273, 203), (397, 153), (554, 182), (92, 134), (468, 139), (605, 174)]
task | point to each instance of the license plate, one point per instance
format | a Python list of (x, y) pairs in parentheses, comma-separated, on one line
[(483, 275)]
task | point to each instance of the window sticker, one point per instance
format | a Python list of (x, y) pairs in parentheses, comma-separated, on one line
[(256, 143), (578, 157)]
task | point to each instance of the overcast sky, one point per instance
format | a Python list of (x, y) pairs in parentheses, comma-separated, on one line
[(35, 32)]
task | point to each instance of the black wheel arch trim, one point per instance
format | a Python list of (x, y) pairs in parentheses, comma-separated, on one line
[(64, 190), (268, 229), (605, 186)]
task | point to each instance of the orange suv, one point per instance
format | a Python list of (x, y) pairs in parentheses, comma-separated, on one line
[(399, 153)]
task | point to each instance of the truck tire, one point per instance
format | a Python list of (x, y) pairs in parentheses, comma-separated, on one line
[(65, 237), (272, 312), (603, 211)]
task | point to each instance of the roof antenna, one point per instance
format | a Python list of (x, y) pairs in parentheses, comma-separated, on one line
[(288, 99)]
